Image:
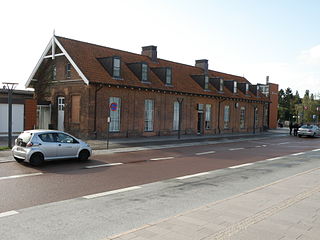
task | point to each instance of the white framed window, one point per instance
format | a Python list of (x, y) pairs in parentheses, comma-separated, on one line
[(226, 117), (148, 114), (208, 116), (221, 85), (242, 117), (235, 87), (176, 108), (114, 108), (168, 76), (116, 67), (256, 117), (144, 72)]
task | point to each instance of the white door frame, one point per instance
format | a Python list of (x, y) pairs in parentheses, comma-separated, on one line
[(61, 113)]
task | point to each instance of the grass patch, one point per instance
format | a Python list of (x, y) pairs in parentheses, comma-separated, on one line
[(4, 148)]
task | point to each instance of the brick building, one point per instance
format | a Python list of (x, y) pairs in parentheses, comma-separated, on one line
[(84, 84)]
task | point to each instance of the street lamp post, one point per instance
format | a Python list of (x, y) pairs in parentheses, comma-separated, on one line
[(9, 86)]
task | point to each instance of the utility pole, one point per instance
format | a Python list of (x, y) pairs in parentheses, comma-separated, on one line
[(9, 86)]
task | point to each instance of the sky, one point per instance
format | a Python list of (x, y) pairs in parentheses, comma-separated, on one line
[(250, 38)]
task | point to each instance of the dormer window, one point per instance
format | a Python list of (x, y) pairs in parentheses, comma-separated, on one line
[(206, 83), (234, 87), (144, 72), (116, 69), (247, 88), (221, 85), (168, 76)]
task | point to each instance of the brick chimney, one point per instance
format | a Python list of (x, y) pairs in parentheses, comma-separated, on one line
[(203, 63), (150, 51)]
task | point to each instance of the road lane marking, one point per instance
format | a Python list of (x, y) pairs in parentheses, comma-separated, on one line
[(273, 159), (242, 165), (283, 143), (20, 176), (235, 149), (264, 145), (203, 153), (297, 154), (193, 175), (316, 150), (103, 165), (102, 194), (258, 146), (9, 213), (157, 159)]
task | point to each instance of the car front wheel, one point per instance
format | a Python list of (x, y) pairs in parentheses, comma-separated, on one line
[(84, 155)]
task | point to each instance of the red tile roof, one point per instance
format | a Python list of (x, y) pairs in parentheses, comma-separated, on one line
[(86, 55)]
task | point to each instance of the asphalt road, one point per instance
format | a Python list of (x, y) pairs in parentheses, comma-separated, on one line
[(156, 192)]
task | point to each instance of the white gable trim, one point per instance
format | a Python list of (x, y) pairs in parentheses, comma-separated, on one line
[(43, 56), (72, 62)]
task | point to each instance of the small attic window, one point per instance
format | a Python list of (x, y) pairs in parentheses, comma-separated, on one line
[(206, 83), (168, 76), (247, 88), (144, 72), (116, 67), (68, 70), (221, 85), (235, 87)]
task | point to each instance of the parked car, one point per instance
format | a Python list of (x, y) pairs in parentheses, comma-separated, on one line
[(308, 130), (37, 146)]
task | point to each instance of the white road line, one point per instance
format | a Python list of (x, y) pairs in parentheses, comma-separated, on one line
[(235, 149), (104, 165), (9, 213), (316, 150), (297, 154), (258, 146), (20, 176), (273, 159), (242, 165), (264, 145), (193, 175), (110, 192), (203, 153), (157, 159), (283, 143)]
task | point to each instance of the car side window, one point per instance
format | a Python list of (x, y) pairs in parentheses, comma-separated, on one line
[(46, 137), (64, 138)]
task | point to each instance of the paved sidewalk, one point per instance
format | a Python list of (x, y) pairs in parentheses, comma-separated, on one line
[(284, 210)]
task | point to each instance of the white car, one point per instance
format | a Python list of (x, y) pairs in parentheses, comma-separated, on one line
[(36, 146), (308, 130)]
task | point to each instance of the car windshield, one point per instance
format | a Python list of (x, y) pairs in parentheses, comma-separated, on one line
[(24, 138), (307, 126)]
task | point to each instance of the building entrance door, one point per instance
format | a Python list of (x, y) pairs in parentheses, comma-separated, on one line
[(200, 123), (60, 113), (43, 116)]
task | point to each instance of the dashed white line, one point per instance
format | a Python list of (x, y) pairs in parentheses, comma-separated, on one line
[(273, 159), (297, 154), (258, 146), (9, 213), (203, 153), (20, 176), (316, 150), (241, 165), (104, 165), (157, 159), (283, 143), (264, 145), (235, 149), (102, 194), (193, 175)]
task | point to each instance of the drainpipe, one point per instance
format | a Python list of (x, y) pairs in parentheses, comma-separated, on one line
[(219, 115), (97, 89)]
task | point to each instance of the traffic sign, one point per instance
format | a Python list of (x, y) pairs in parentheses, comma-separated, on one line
[(113, 106)]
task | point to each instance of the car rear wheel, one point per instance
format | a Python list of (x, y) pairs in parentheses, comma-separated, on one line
[(36, 159), (84, 155), (19, 160), (299, 135)]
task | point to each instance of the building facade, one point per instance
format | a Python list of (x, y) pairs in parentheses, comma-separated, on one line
[(92, 91)]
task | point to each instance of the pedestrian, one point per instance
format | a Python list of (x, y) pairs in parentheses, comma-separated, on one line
[(290, 127), (295, 129)]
